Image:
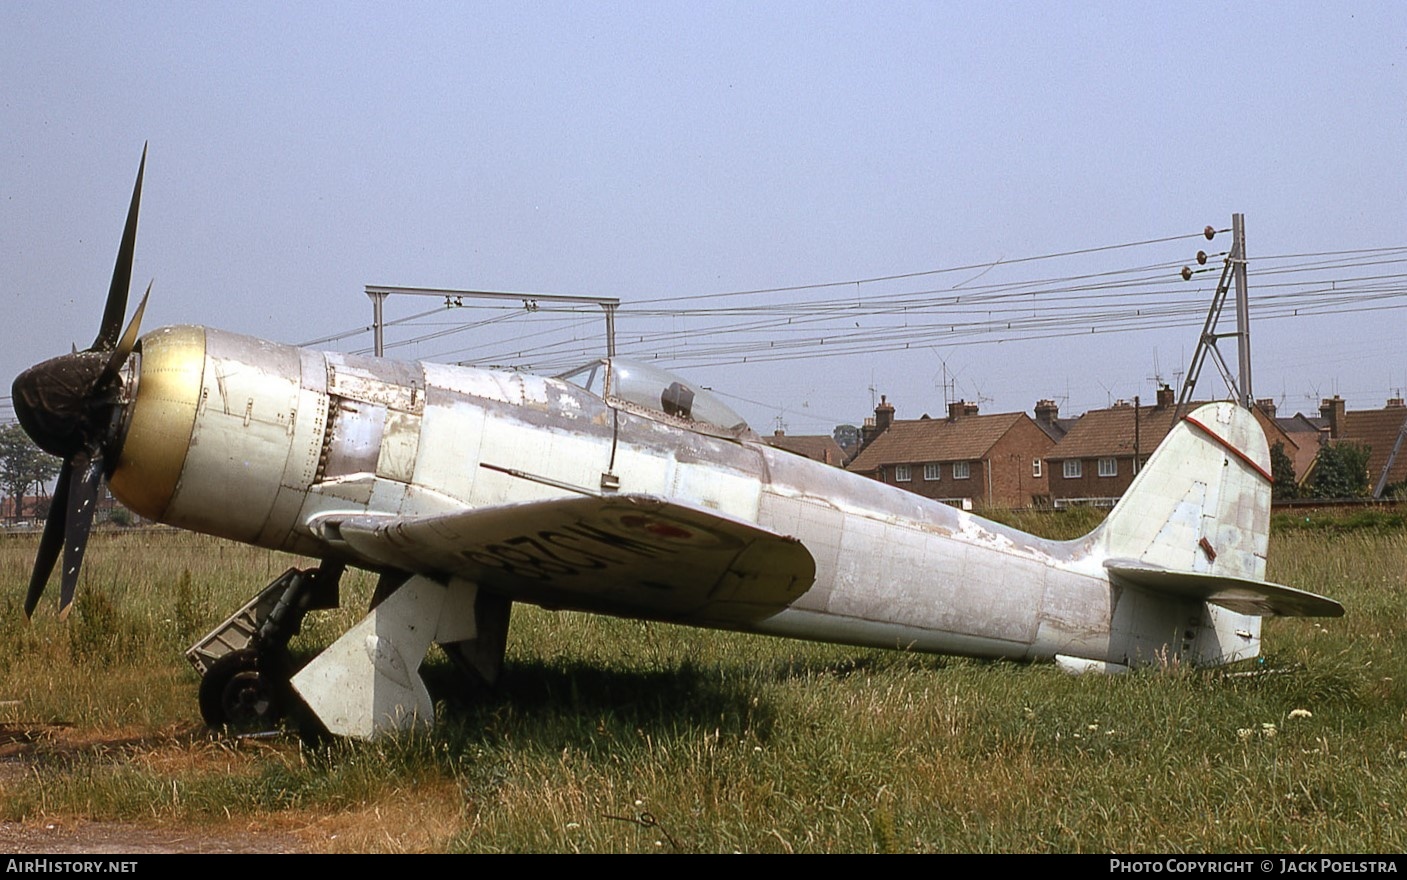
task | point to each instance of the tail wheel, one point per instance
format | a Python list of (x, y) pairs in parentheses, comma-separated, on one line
[(242, 692)]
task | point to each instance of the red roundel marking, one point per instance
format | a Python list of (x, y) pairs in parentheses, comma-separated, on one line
[(655, 527)]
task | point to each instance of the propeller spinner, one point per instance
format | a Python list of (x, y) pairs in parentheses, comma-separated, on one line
[(70, 407)]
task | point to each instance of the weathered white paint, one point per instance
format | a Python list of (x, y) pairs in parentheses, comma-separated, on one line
[(480, 480)]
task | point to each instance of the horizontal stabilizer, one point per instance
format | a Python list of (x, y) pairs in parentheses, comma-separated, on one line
[(1241, 595)]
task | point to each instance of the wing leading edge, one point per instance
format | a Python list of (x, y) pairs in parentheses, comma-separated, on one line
[(622, 554)]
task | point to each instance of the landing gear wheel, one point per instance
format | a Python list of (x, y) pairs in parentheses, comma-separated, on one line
[(242, 692)]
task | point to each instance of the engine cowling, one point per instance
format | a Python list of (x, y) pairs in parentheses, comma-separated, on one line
[(221, 436)]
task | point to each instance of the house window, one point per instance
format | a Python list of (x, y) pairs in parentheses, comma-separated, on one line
[(932, 471), (962, 470), (1108, 467), (1036, 467), (1072, 469), (902, 474)]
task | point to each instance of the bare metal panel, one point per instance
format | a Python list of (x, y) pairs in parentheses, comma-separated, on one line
[(399, 443), (392, 384), (1225, 636), (518, 389), (447, 454), (644, 473), (1075, 615), (561, 456), (734, 493), (817, 525), (241, 441), (299, 471), (354, 438)]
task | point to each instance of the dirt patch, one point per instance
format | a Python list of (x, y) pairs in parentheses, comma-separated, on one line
[(63, 838), (421, 815), (24, 747)]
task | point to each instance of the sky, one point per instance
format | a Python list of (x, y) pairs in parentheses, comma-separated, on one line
[(668, 153)]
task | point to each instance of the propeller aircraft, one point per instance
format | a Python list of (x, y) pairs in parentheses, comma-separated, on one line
[(617, 489)]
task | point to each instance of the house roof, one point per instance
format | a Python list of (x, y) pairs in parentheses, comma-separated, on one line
[(1378, 429), (1299, 423), (818, 447), (1306, 432), (913, 441), (1110, 432), (1056, 429)]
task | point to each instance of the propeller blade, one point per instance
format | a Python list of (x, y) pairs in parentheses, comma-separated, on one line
[(116, 308), (125, 344), (50, 545), (82, 504)]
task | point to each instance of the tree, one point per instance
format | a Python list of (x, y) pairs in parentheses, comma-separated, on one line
[(1340, 471), (847, 437), (1282, 471), (23, 466)]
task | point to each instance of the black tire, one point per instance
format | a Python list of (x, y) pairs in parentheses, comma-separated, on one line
[(241, 692)]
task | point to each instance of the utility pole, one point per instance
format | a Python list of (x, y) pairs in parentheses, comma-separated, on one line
[(1233, 271), (1243, 310)]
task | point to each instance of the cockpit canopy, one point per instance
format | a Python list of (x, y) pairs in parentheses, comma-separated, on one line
[(659, 391)]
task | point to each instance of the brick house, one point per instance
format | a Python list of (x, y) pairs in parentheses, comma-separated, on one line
[(967, 459), (1378, 429), (34, 509), (1099, 456), (31, 507), (817, 447), (1307, 433)]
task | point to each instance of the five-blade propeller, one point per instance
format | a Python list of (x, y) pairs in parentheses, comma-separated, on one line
[(70, 407)]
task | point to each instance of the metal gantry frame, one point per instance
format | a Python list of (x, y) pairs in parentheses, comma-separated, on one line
[(378, 294), (1233, 271)]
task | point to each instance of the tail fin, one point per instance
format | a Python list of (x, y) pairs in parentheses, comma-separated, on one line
[(1195, 524), (1202, 501)]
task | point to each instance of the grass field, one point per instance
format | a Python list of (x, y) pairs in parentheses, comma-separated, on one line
[(620, 736)]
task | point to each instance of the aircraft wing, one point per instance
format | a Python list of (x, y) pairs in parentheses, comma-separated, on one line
[(621, 554), (1241, 595)]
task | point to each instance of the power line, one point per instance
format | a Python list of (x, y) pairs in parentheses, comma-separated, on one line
[(840, 319), (926, 272)]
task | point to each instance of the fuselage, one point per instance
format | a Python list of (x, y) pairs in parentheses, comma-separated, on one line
[(253, 441)]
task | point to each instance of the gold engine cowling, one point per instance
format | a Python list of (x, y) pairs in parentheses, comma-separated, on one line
[(162, 416), (222, 436)]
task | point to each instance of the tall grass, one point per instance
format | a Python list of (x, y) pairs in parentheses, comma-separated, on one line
[(619, 736)]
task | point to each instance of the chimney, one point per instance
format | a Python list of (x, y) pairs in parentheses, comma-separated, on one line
[(1331, 409), (1165, 396), (1395, 403), (1047, 411), (867, 434), (883, 415), (779, 432), (1267, 406), (956, 410)]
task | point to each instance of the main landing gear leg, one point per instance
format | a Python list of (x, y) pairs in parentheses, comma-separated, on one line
[(367, 683), (243, 662)]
